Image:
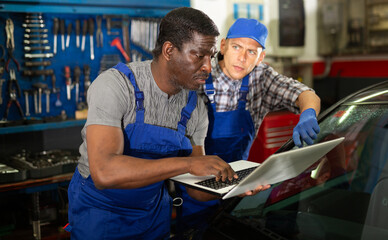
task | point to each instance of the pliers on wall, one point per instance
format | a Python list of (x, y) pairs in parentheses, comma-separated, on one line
[(9, 28), (13, 94)]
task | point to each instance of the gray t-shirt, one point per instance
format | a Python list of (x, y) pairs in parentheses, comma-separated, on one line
[(111, 102)]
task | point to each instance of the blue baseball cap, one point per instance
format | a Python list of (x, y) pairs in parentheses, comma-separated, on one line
[(248, 28)]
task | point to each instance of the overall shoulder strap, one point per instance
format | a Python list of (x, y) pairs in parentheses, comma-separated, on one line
[(243, 92), (186, 111), (139, 95), (210, 92)]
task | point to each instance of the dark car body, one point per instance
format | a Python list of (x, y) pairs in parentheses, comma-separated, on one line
[(342, 196)]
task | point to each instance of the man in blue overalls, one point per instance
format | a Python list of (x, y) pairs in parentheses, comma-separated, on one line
[(144, 126), (240, 91)]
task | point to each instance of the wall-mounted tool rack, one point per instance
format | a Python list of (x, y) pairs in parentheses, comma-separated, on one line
[(62, 46), (51, 122)]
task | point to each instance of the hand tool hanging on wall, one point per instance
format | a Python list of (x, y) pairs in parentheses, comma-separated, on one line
[(38, 55), (77, 31), (84, 31), (91, 33), (125, 32), (47, 92), (38, 64), (53, 83), (58, 102), (28, 30), (77, 74), (55, 33), (99, 35), (9, 28), (27, 35), (86, 79), (56, 90), (33, 16), (69, 29), (109, 25), (13, 82), (39, 48), (41, 41), (35, 93), (27, 102), (68, 82), (28, 25), (40, 87), (117, 43), (33, 21), (62, 29), (40, 72), (144, 33), (13, 94)]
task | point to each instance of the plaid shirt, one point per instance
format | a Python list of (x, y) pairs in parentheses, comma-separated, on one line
[(268, 91)]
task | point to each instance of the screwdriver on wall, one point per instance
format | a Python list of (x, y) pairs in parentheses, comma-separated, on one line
[(91, 32), (55, 32), (62, 29), (86, 79), (77, 74), (84, 30), (77, 31), (69, 29), (68, 82)]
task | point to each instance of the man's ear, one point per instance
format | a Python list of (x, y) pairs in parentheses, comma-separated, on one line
[(223, 46), (261, 58), (167, 50)]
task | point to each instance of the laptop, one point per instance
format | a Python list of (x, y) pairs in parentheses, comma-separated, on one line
[(276, 168)]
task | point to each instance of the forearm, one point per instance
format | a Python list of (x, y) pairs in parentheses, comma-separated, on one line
[(201, 195), (308, 99), (109, 168), (127, 172)]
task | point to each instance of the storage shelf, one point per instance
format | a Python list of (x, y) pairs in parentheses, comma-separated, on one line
[(133, 8), (42, 126)]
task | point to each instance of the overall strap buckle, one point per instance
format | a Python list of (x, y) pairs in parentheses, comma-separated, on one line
[(210, 94), (139, 100), (209, 89), (244, 89), (185, 116), (243, 95)]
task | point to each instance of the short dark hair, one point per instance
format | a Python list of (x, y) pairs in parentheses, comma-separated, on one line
[(179, 25)]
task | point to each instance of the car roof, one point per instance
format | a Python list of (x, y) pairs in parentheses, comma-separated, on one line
[(375, 94)]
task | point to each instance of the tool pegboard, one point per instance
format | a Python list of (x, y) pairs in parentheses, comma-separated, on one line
[(57, 62), (48, 68)]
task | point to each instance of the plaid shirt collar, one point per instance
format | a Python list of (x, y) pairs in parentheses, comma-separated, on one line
[(221, 82)]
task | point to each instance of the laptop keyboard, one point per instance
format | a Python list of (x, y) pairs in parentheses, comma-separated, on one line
[(212, 183)]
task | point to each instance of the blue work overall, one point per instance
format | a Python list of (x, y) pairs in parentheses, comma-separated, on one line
[(141, 213), (230, 136)]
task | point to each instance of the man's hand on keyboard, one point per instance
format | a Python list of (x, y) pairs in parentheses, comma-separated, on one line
[(256, 191), (211, 165)]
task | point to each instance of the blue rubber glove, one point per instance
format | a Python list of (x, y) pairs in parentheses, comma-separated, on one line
[(307, 128)]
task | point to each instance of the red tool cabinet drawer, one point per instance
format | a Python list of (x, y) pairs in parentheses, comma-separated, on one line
[(274, 131)]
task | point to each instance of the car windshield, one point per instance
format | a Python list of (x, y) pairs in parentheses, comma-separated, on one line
[(342, 196)]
